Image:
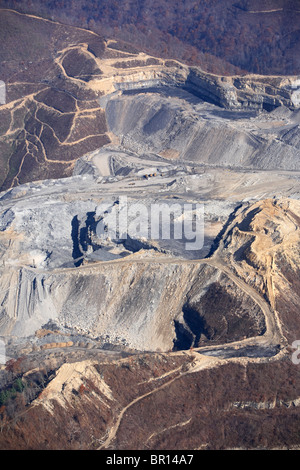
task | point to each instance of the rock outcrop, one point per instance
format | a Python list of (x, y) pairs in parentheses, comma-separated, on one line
[(55, 99), (262, 245), (122, 336)]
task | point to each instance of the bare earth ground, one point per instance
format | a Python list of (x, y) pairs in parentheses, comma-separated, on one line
[(139, 344)]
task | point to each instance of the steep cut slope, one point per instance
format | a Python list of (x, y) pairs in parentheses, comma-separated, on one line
[(121, 337), (138, 304), (136, 292), (191, 130), (222, 36), (142, 292), (48, 109), (59, 83), (262, 245), (161, 402)]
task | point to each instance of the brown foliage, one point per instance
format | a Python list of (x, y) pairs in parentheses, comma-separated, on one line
[(227, 30)]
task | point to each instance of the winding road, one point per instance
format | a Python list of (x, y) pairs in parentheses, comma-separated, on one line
[(271, 337)]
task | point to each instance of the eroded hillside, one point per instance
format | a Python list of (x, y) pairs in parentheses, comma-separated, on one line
[(206, 397), (221, 36), (129, 337), (60, 105), (223, 317)]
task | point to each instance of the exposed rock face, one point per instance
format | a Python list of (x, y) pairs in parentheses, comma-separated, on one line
[(133, 293), (250, 92), (138, 292), (147, 299), (137, 304), (203, 133), (55, 98), (47, 107), (78, 311), (219, 312)]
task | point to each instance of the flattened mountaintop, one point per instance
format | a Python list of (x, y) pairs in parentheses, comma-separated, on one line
[(54, 78)]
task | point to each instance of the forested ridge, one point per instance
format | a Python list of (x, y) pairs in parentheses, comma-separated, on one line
[(222, 36)]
